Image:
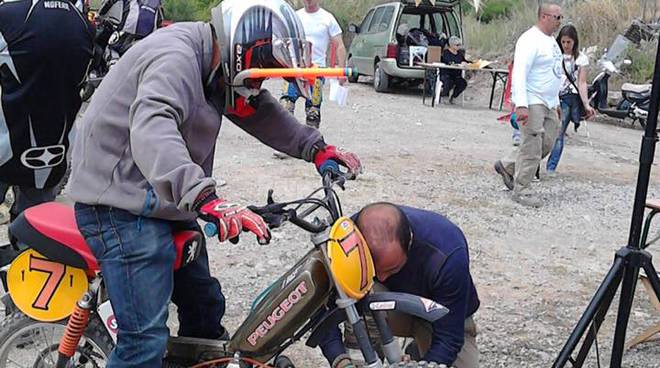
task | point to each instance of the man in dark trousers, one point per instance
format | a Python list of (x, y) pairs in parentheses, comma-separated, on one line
[(421, 253), (45, 49)]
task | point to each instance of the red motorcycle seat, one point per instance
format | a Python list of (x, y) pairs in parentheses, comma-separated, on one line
[(50, 229)]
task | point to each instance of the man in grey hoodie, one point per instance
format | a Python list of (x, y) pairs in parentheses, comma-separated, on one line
[(143, 158)]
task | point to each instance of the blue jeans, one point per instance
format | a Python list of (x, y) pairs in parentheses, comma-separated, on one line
[(136, 255), (570, 111)]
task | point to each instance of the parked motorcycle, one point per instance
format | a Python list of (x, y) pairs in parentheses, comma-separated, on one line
[(634, 102), (65, 318)]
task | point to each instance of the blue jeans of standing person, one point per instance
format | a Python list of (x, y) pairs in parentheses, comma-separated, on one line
[(571, 110), (136, 255)]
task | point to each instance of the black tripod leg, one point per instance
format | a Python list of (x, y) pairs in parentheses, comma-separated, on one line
[(623, 315), (597, 321), (652, 274), (611, 282)]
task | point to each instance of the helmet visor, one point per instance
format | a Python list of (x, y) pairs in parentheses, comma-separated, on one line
[(294, 53)]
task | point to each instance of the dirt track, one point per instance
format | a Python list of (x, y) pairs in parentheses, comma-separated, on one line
[(535, 270)]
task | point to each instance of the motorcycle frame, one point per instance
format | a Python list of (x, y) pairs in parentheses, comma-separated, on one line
[(318, 320)]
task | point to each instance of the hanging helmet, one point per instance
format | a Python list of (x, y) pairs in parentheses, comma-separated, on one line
[(259, 34)]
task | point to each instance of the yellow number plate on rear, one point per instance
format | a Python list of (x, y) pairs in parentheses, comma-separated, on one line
[(43, 289)]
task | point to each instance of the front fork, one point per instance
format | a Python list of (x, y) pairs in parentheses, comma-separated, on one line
[(76, 325), (360, 331), (390, 347)]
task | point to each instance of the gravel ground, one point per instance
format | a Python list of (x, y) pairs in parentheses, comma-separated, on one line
[(535, 269)]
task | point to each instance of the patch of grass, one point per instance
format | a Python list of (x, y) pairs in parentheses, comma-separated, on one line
[(498, 37), (345, 12), (643, 58), (598, 22), (495, 9)]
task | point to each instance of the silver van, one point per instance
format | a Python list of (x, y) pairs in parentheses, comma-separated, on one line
[(379, 46)]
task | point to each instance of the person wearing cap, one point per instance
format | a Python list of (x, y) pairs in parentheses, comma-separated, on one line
[(143, 161), (452, 80), (421, 253)]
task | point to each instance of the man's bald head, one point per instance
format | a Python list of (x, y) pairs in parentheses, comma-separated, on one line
[(547, 7), (549, 17), (387, 232)]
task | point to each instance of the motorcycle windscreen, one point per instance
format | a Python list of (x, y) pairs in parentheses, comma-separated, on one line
[(350, 260)]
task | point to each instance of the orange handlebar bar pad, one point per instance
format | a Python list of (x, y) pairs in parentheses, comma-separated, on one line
[(307, 73)]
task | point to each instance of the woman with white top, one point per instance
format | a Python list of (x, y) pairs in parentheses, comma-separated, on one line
[(573, 97)]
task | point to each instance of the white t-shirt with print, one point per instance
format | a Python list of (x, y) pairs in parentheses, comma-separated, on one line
[(320, 27), (537, 70), (572, 67)]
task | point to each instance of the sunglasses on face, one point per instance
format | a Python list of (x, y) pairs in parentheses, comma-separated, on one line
[(556, 17)]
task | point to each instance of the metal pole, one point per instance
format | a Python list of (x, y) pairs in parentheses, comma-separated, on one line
[(605, 290), (646, 155)]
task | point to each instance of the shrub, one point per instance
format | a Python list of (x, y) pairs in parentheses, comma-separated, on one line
[(495, 9), (643, 62)]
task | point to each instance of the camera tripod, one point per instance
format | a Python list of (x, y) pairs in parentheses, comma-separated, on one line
[(628, 260)]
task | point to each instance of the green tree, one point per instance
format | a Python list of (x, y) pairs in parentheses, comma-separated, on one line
[(188, 10)]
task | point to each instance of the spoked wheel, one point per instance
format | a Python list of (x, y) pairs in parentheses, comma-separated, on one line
[(26, 343)]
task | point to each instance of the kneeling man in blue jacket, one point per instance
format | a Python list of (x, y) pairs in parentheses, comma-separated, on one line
[(421, 253)]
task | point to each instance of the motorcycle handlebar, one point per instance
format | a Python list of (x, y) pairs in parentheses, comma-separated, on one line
[(275, 213)]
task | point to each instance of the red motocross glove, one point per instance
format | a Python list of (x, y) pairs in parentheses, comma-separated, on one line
[(347, 159), (231, 219)]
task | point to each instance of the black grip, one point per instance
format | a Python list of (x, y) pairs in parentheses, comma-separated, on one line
[(306, 225)]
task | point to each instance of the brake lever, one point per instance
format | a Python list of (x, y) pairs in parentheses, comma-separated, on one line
[(341, 182)]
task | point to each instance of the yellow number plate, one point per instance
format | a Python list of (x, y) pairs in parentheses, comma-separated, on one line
[(43, 289), (350, 260)]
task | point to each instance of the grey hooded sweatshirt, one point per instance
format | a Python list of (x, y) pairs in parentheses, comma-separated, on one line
[(147, 139)]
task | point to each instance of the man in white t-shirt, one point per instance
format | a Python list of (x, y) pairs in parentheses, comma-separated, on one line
[(323, 31), (537, 73)]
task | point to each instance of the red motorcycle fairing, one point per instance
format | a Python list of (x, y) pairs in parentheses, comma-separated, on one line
[(50, 229)]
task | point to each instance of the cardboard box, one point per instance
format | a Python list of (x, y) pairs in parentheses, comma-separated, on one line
[(433, 54)]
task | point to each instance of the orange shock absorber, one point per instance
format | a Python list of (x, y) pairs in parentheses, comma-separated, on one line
[(74, 330)]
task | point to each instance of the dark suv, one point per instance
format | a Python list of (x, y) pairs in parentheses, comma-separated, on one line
[(379, 48)]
